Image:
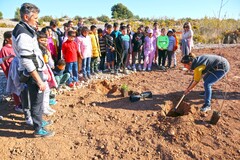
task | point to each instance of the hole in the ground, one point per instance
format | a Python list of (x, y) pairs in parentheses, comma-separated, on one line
[(183, 109)]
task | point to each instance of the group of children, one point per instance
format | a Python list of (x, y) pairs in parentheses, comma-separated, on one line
[(76, 53)]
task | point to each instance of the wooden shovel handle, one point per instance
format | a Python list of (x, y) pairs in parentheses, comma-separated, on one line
[(179, 101)]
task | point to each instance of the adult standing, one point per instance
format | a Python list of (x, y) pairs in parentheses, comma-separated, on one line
[(187, 39), (211, 67), (31, 64)]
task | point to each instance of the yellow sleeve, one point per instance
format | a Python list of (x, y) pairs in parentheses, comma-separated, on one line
[(198, 73)]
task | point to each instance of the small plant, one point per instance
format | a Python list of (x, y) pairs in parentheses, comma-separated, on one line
[(124, 87)]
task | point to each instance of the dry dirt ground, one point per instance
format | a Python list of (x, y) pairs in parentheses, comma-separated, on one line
[(95, 122)]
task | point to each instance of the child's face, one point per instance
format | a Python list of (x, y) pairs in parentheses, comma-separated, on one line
[(170, 33), (94, 30), (150, 35), (71, 38), (109, 30), (100, 34), (163, 32), (49, 33), (124, 31), (61, 67), (116, 28), (9, 40), (85, 33), (43, 41)]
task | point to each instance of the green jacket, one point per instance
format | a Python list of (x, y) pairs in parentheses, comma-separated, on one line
[(162, 42)]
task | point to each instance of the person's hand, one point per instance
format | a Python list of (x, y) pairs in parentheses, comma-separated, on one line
[(8, 57), (42, 86)]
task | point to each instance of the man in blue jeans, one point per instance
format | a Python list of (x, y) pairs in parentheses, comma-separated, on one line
[(213, 68), (31, 65)]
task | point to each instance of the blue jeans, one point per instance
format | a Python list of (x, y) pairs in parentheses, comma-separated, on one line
[(86, 66), (72, 68), (209, 80)]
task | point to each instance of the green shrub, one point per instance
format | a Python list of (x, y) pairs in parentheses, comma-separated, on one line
[(1, 15), (46, 18), (103, 18)]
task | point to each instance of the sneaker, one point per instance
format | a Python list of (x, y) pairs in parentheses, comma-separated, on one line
[(51, 110), (43, 133), (77, 84), (202, 94), (46, 123), (18, 108), (29, 121), (129, 67), (139, 67), (205, 108), (71, 85), (144, 69), (89, 76), (125, 71), (47, 112), (116, 72), (112, 71), (93, 73), (52, 101), (149, 69)]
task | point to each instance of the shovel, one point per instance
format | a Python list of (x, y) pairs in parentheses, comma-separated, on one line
[(176, 107)]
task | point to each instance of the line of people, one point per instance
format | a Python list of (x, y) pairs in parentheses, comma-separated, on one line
[(51, 58)]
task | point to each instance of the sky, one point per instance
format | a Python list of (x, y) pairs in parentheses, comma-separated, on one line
[(176, 9)]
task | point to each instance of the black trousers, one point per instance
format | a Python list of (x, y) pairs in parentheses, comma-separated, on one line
[(36, 98), (162, 55)]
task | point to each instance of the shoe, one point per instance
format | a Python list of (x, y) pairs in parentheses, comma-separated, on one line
[(18, 108), (112, 71), (77, 84), (52, 101), (52, 95), (43, 133), (46, 123), (93, 73), (129, 67), (89, 76), (144, 69), (51, 110), (116, 72), (71, 85), (149, 69), (202, 94), (29, 121), (205, 108), (139, 67), (47, 112), (125, 71)]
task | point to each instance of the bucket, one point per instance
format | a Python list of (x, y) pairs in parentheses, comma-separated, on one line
[(215, 117)]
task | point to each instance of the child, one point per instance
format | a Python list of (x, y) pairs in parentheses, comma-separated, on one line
[(123, 41), (15, 86), (7, 53), (130, 33), (137, 41), (95, 49), (156, 33), (110, 48), (60, 77), (52, 43), (174, 57), (102, 43), (42, 40), (171, 45), (70, 53), (162, 44), (85, 49), (149, 50)]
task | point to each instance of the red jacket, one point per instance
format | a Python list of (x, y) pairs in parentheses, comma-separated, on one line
[(7, 50), (70, 51)]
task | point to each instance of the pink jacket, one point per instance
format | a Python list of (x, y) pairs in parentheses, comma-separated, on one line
[(149, 44), (84, 46)]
